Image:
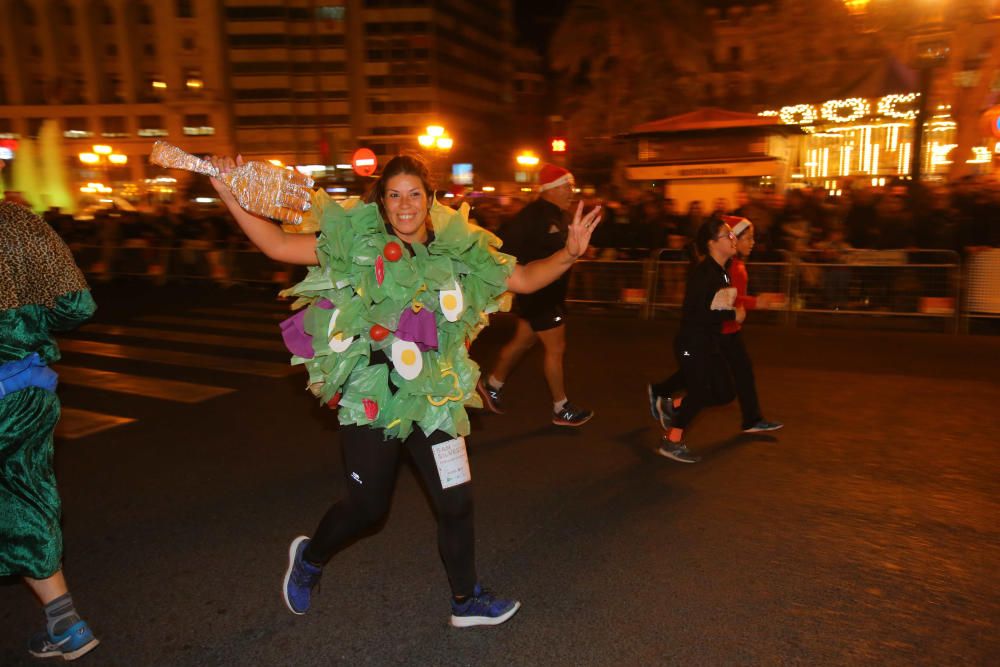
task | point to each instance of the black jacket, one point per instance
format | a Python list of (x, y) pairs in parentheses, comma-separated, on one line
[(698, 320)]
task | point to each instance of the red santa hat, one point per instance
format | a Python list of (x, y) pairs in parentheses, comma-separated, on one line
[(551, 176), (737, 224)]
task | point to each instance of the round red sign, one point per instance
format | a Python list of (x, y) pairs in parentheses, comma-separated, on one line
[(364, 162)]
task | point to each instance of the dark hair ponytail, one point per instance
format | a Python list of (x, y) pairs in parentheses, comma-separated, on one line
[(407, 163)]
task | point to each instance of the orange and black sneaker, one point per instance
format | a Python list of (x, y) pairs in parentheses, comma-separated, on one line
[(491, 397), (570, 415)]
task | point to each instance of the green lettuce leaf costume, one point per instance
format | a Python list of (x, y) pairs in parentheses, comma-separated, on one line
[(366, 288)]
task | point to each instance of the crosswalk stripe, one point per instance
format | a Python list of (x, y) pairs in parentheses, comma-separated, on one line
[(265, 305), (75, 423), (169, 390), (186, 336), (146, 354), (211, 324), (244, 314)]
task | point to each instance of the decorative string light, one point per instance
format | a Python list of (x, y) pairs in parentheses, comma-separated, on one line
[(859, 108), (799, 114), (887, 106)]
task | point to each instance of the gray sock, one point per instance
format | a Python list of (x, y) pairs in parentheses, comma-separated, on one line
[(60, 615)]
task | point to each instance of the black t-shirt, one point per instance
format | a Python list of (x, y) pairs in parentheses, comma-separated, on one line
[(536, 232)]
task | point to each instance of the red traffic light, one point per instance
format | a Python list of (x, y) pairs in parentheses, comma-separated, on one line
[(558, 145)]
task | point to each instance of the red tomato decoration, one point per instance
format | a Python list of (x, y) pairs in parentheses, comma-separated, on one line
[(392, 251), (371, 408), (379, 270), (378, 332), (334, 402)]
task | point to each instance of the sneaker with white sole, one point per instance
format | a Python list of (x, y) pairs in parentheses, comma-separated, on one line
[(76, 642), (570, 415), (763, 426), (676, 451), (483, 607), (300, 578)]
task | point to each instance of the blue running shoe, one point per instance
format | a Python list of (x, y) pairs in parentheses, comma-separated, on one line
[(482, 608), (677, 451), (300, 578), (77, 641), (763, 426)]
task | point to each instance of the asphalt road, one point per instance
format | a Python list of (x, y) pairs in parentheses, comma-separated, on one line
[(865, 532)]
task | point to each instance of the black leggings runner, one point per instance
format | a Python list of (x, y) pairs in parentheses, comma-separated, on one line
[(370, 464)]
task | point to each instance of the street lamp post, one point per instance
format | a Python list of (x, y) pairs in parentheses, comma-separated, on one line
[(102, 157), (527, 161), (437, 142)]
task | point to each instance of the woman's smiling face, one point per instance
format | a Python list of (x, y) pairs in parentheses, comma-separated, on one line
[(406, 207)]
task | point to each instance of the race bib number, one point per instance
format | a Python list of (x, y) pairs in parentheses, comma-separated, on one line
[(452, 462)]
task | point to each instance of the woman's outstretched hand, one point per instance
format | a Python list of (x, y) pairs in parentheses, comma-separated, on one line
[(581, 229)]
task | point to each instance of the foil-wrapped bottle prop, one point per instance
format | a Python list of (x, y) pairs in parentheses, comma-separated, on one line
[(259, 187)]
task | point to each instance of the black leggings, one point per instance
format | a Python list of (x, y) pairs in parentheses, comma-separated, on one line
[(738, 361), (370, 467), (739, 364)]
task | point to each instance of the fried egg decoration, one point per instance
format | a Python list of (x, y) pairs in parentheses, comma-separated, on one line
[(452, 303), (406, 359), (337, 341)]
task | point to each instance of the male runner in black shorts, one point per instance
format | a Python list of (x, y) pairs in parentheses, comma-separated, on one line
[(536, 232)]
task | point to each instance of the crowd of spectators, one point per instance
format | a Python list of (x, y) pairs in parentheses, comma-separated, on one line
[(963, 217)]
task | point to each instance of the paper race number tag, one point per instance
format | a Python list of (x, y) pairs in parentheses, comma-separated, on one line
[(452, 462)]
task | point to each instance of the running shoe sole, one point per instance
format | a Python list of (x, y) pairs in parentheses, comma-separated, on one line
[(673, 457), (288, 574), (754, 429), (472, 621), (72, 655), (487, 401)]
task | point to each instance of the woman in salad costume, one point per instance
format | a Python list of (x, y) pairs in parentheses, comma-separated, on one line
[(397, 289)]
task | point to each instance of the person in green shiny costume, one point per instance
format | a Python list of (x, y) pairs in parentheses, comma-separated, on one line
[(41, 291)]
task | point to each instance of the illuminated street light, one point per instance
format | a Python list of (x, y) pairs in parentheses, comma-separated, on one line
[(527, 159), (100, 156), (436, 137)]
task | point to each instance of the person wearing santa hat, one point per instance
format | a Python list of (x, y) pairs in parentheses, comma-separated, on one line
[(538, 231)]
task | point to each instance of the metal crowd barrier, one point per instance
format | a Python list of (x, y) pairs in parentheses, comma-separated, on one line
[(893, 283), (910, 283)]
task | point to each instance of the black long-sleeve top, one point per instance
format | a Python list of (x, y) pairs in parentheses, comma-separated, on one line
[(697, 316)]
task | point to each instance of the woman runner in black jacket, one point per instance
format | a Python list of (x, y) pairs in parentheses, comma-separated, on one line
[(696, 346)]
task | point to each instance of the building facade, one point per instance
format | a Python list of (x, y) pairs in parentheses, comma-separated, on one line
[(304, 82), (312, 81), (117, 73)]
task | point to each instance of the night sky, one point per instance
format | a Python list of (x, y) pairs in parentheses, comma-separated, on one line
[(537, 19)]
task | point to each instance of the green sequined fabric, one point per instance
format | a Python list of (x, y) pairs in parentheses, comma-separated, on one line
[(462, 257), (30, 537)]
